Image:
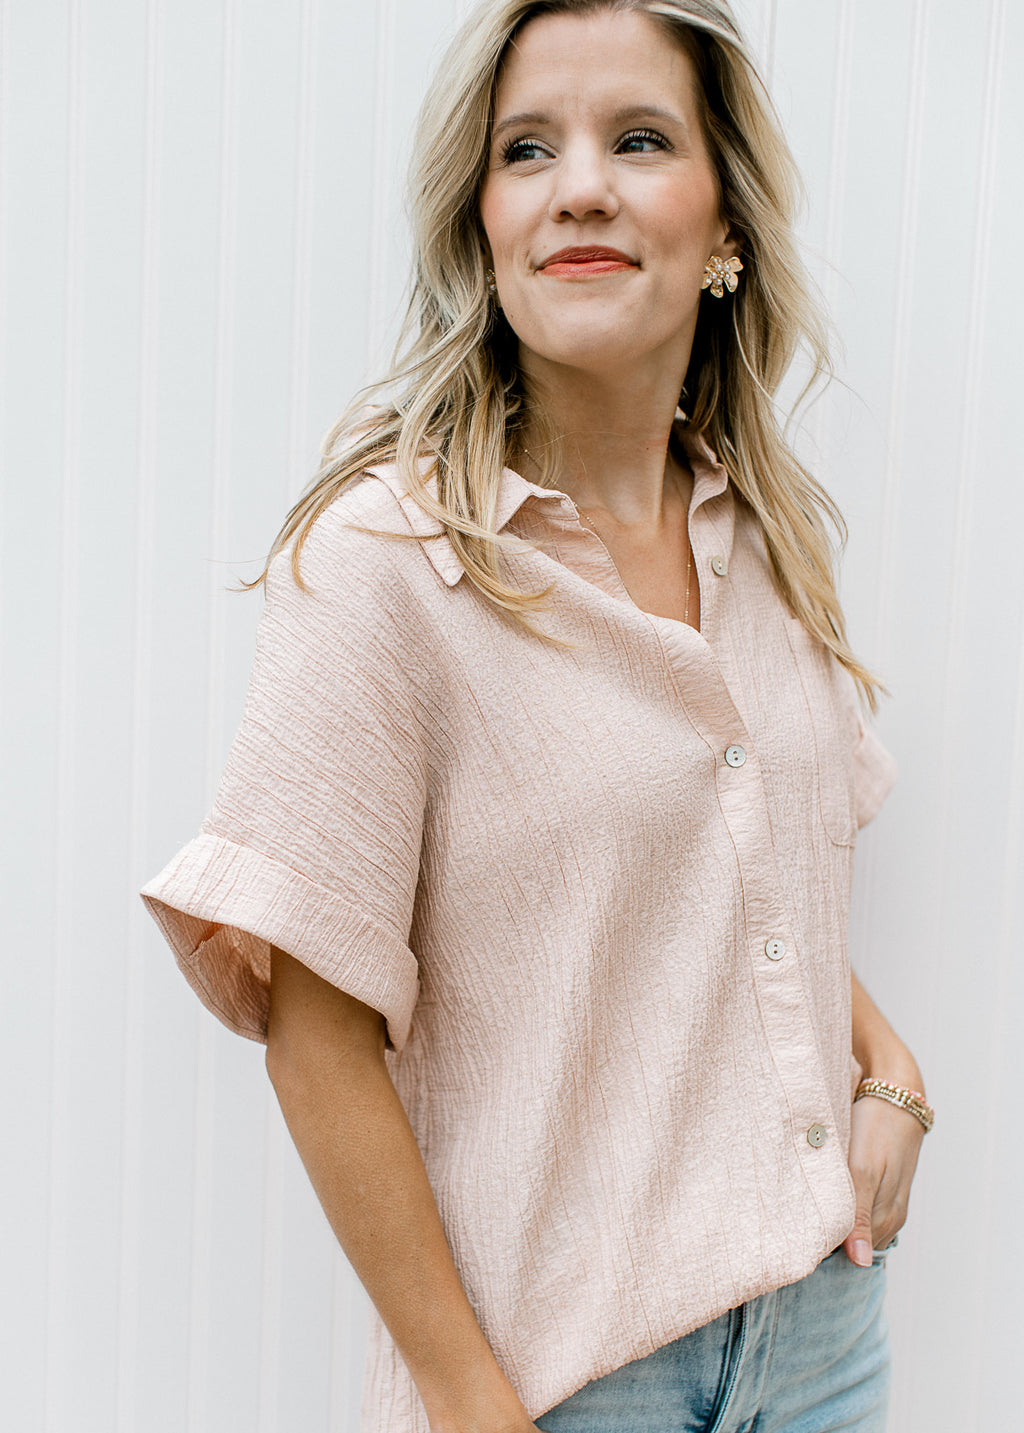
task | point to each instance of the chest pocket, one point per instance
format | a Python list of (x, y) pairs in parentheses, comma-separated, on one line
[(831, 704)]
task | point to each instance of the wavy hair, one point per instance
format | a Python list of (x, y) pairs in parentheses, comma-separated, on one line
[(454, 392)]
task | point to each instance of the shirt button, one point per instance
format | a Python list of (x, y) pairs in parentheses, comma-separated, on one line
[(774, 949), (719, 566), (735, 756), (817, 1135)]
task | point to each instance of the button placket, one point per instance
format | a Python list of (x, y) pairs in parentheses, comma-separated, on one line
[(788, 1028), (710, 530), (701, 686)]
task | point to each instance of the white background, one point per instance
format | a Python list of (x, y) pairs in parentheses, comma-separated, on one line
[(202, 254)]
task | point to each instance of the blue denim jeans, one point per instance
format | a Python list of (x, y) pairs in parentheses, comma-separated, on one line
[(807, 1358)]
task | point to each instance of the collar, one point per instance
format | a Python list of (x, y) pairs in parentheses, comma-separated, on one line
[(710, 480)]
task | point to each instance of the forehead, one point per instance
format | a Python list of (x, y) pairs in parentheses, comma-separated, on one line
[(602, 59)]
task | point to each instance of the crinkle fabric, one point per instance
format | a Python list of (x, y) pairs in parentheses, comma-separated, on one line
[(599, 889)]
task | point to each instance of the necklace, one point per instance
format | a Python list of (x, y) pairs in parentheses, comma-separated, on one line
[(583, 517), (689, 569), (689, 559)]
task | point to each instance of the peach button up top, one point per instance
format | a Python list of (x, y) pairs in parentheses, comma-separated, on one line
[(599, 890)]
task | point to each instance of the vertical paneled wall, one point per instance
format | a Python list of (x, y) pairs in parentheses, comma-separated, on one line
[(201, 259)]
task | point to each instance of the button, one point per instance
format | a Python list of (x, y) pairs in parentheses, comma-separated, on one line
[(817, 1135), (719, 566), (774, 949), (735, 756)]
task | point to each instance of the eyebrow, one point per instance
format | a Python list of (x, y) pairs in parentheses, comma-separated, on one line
[(624, 115)]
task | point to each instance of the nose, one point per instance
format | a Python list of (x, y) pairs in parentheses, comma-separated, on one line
[(584, 185)]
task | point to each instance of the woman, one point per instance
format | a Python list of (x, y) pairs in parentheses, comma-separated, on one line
[(531, 859)]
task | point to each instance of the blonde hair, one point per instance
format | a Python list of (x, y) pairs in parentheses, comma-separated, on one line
[(454, 392)]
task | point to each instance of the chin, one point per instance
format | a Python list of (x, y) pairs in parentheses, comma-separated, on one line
[(593, 341), (589, 349)]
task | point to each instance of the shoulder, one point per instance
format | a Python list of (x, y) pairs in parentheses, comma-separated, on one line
[(359, 550)]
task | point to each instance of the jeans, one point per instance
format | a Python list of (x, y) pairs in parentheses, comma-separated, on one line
[(807, 1358)]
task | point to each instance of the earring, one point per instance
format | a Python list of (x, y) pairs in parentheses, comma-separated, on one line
[(718, 272), (492, 287)]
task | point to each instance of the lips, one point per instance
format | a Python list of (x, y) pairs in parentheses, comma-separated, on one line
[(586, 259)]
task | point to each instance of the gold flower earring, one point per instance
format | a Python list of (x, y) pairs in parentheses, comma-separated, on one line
[(719, 271), (492, 290)]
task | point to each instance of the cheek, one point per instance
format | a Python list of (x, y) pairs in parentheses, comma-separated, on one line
[(512, 213), (686, 219), (497, 217)]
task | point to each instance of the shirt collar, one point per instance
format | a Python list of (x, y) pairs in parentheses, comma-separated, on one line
[(710, 479)]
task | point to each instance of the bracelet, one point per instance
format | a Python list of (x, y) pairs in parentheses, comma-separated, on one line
[(910, 1100)]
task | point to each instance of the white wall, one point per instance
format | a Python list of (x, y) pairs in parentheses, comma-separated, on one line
[(201, 254)]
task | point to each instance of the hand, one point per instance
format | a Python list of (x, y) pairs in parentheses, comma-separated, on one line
[(884, 1144)]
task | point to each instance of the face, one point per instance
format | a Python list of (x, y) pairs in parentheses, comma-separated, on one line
[(600, 205)]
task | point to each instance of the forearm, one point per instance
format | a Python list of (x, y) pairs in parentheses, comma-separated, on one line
[(879, 1051), (358, 1147)]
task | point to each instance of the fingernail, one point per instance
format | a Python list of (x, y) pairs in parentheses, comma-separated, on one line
[(861, 1253)]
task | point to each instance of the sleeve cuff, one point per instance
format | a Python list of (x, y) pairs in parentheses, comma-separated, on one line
[(221, 906), (875, 775)]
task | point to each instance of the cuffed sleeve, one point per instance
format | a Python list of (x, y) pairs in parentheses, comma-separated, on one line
[(874, 774), (313, 840)]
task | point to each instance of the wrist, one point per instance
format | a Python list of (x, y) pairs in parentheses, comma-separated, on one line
[(483, 1403), (913, 1101), (488, 1420)]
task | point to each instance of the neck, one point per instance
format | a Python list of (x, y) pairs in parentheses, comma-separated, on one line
[(610, 441)]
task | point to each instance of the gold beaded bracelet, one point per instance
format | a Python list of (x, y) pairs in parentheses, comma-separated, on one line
[(910, 1100)]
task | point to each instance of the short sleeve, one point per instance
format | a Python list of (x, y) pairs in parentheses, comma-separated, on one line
[(874, 772), (313, 840)]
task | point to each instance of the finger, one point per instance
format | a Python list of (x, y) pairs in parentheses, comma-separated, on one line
[(859, 1244), (858, 1247), (890, 1213)]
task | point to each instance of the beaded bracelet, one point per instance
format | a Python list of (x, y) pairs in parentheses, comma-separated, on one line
[(910, 1100)]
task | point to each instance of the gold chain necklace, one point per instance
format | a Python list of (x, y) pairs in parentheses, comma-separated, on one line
[(594, 529), (689, 559)]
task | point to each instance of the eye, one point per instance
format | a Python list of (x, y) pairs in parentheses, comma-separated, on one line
[(642, 141), (519, 151)]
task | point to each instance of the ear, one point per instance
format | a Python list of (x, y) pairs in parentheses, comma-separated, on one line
[(732, 245)]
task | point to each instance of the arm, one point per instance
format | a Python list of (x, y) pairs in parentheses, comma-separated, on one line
[(884, 1141), (325, 1059)]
